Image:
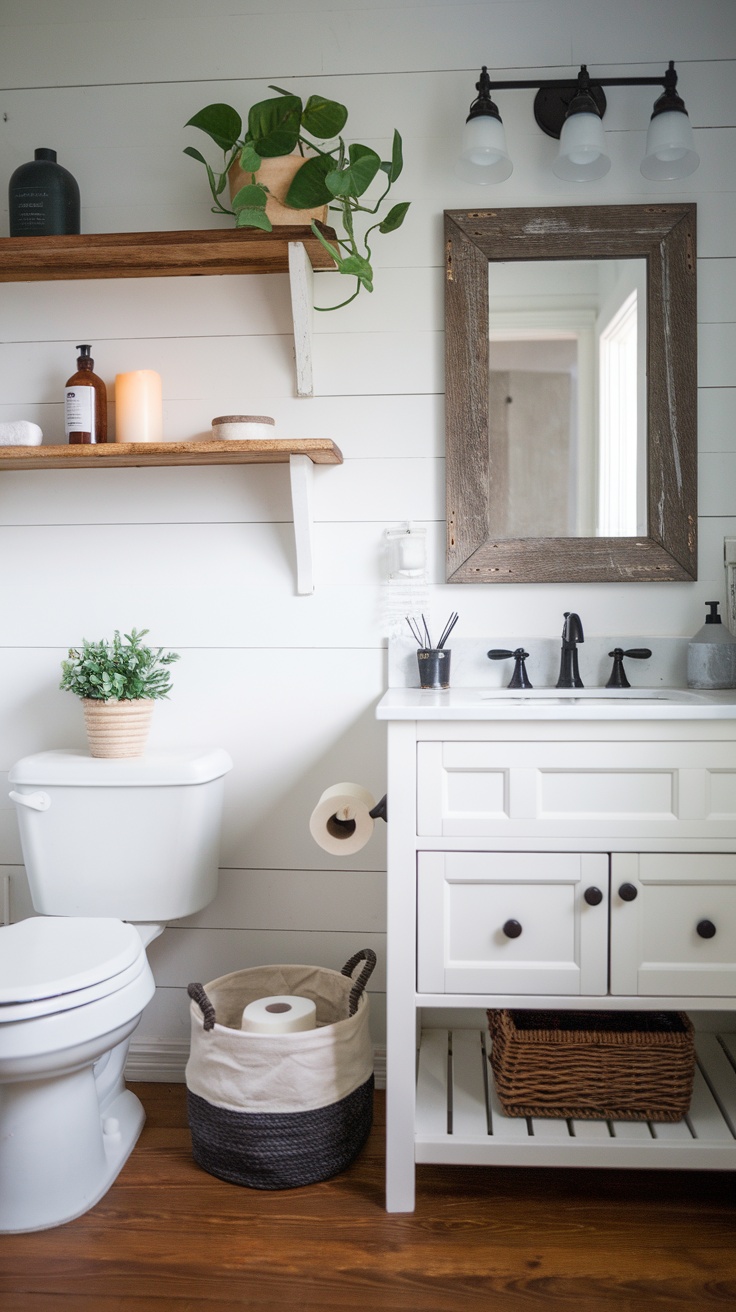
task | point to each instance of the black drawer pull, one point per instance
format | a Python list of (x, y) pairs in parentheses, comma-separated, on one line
[(706, 929), (628, 892), (512, 929), (593, 896)]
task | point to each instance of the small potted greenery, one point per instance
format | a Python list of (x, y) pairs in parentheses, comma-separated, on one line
[(332, 174), (118, 683)]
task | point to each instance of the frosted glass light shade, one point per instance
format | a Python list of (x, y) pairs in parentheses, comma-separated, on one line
[(582, 156), (484, 157), (670, 149)]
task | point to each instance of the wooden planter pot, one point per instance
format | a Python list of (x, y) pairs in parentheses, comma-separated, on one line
[(277, 174), (116, 729)]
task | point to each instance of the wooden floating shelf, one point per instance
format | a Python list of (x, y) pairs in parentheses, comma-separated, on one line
[(129, 455), (301, 456), (157, 254)]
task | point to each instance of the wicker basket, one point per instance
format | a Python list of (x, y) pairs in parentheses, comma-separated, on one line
[(623, 1066)]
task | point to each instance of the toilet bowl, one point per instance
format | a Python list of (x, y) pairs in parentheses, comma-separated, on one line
[(104, 843)]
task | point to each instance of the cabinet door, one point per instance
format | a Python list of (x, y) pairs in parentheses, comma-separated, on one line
[(512, 922), (673, 924)]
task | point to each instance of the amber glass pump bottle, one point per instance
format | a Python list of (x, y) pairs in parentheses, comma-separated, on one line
[(85, 402)]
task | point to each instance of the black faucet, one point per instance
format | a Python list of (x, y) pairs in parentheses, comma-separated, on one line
[(572, 634)]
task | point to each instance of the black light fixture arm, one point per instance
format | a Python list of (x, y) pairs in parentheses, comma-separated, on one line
[(666, 80)]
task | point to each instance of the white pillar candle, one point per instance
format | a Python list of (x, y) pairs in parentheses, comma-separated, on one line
[(138, 407)]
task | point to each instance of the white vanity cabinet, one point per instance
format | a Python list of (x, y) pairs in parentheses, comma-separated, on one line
[(561, 853)]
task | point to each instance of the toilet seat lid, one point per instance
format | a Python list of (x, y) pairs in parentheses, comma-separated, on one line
[(47, 956)]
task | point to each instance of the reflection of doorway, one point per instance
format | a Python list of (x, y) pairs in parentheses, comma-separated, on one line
[(532, 453), (542, 456)]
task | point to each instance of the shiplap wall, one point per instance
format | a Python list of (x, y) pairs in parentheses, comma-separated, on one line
[(205, 557)]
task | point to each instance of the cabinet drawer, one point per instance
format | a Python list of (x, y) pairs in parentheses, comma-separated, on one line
[(589, 789), (512, 922), (673, 924)]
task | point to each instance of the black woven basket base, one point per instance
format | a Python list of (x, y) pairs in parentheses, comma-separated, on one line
[(280, 1150)]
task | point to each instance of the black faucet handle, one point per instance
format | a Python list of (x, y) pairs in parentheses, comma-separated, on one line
[(519, 678), (617, 677)]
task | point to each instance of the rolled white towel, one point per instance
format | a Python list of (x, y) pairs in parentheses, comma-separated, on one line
[(20, 432)]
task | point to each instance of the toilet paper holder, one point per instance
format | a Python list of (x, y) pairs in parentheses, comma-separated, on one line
[(380, 810), (377, 812)]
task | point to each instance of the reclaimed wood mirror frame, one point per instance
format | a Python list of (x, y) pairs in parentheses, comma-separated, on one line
[(664, 235)]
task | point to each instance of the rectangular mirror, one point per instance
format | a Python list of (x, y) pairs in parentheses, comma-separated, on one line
[(571, 393)]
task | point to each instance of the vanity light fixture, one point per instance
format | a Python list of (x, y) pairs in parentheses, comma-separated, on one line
[(484, 155), (572, 110)]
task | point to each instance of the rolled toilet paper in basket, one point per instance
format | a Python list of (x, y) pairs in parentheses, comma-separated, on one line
[(279, 1015), (341, 822)]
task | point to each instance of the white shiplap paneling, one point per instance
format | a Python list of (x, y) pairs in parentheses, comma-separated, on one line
[(206, 557)]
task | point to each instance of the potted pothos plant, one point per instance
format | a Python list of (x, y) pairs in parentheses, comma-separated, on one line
[(331, 174), (118, 683)]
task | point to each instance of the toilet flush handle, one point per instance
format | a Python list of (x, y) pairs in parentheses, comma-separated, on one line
[(36, 801)]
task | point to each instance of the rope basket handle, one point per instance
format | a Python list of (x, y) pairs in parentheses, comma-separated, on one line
[(368, 956), (198, 995)]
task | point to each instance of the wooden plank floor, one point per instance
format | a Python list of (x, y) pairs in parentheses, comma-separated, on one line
[(170, 1238)]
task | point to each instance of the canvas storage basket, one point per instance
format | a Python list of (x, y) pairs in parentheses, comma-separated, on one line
[(274, 1111), (623, 1066)]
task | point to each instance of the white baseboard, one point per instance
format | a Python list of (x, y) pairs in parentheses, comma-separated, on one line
[(163, 1062), (160, 1061)]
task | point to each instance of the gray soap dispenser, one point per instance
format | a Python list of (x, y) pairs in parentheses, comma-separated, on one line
[(711, 654)]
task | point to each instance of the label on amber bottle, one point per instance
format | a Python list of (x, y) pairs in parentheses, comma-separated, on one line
[(79, 410)]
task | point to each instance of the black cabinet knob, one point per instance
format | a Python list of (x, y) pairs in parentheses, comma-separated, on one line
[(512, 929), (706, 929), (628, 892), (593, 896)]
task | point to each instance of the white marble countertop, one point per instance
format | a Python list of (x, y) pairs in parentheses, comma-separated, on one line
[(557, 704)]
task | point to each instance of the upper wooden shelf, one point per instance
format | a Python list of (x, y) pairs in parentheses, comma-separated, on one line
[(119, 455), (157, 254)]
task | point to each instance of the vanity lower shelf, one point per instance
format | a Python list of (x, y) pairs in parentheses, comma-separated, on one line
[(301, 456), (459, 1119)]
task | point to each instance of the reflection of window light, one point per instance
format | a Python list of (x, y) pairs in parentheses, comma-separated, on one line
[(617, 470)]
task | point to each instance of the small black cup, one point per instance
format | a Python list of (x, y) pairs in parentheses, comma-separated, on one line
[(434, 667)]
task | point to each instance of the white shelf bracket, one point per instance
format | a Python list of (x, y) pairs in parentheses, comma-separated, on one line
[(301, 282), (301, 471)]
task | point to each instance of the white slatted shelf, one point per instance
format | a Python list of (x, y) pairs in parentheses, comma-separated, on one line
[(459, 1118)]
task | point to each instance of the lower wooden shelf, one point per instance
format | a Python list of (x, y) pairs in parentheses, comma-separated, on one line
[(119, 455), (459, 1119), (301, 456)]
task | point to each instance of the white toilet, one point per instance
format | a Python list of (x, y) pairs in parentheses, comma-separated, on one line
[(104, 842)]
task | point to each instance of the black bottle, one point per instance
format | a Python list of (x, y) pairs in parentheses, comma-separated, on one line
[(43, 198)]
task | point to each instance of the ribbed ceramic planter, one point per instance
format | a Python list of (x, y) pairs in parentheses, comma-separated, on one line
[(117, 729), (277, 174)]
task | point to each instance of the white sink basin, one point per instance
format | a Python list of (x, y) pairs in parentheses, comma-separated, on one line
[(566, 696)]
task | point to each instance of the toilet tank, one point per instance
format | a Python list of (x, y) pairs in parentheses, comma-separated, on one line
[(135, 839)]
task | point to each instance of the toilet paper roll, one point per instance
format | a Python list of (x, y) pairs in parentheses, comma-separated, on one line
[(341, 822), (280, 1014)]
